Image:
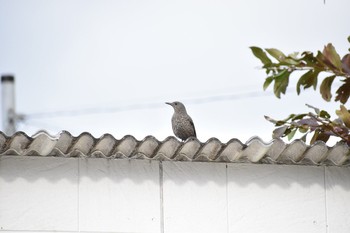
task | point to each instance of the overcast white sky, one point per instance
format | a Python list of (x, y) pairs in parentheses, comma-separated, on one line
[(119, 61)]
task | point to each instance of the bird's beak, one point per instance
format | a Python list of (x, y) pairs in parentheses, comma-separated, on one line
[(169, 103)]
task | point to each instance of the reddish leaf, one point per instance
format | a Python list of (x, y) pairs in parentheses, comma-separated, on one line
[(341, 130), (331, 56), (325, 88), (321, 60), (346, 63), (343, 92), (319, 136)]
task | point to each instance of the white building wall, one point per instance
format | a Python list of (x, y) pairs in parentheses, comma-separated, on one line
[(46, 194)]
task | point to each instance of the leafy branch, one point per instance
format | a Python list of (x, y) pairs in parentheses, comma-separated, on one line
[(317, 122), (279, 67)]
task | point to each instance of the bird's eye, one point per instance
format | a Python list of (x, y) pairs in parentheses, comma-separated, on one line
[(175, 103)]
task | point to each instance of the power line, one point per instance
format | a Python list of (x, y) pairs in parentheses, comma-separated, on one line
[(132, 107), (90, 111)]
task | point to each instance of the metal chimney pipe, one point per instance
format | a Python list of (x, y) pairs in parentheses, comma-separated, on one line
[(8, 104)]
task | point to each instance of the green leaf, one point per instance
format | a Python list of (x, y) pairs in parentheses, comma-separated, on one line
[(307, 80), (261, 55), (294, 55), (309, 59), (278, 55), (287, 132), (291, 60), (281, 83), (332, 58), (325, 114), (279, 123), (299, 116), (343, 92), (303, 138), (325, 88), (291, 116), (267, 70), (267, 82), (344, 115), (291, 134)]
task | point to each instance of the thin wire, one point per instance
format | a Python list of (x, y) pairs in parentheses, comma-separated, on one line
[(89, 111), (131, 107)]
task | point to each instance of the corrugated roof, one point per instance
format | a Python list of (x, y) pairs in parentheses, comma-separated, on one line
[(234, 151)]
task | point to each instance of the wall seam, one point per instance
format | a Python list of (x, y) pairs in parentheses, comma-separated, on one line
[(78, 193), (161, 180), (227, 207), (325, 197)]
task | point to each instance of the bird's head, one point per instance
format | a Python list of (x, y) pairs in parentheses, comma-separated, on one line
[(178, 106)]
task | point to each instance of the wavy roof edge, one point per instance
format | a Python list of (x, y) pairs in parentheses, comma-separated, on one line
[(255, 150)]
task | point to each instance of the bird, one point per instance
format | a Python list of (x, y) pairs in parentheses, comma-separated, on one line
[(182, 123)]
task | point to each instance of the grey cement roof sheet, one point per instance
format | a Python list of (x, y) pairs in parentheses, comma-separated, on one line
[(171, 149)]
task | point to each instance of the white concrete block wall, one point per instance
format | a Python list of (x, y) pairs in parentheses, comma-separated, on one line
[(195, 199), (119, 196), (276, 198), (39, 194), (338, 199)]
